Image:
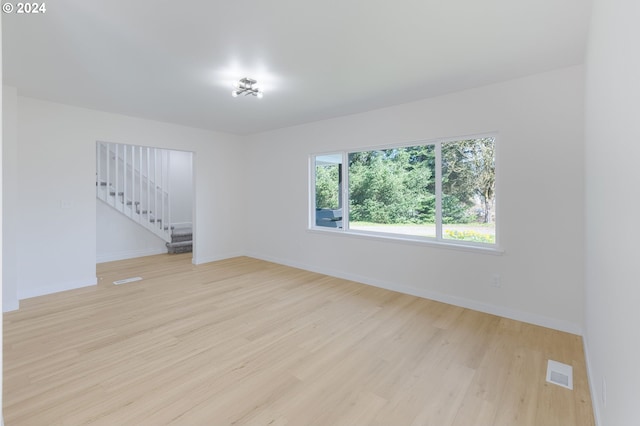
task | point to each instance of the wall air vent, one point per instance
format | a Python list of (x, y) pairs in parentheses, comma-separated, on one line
[(127, 280), (560, 374)]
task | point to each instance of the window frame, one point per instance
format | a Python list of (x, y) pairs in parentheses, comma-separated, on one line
[(438, 240)]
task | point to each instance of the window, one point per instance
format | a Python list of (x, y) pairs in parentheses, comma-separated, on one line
[(442, 191), (328, 190)]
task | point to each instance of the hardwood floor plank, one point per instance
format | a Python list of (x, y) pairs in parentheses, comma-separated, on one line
[(247, 342)]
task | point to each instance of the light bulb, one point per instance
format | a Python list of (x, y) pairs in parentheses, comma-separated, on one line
[(234, 94), (259, 95)]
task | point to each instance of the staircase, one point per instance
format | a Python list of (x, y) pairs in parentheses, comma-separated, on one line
[(181, 241), (132, 180)]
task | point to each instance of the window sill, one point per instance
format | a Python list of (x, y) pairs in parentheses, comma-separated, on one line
[(408, 239)]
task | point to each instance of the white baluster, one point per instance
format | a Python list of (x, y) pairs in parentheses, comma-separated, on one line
[(153, 183), (108, 165), (140, 182), (117, 173), (169, 223), (124, 178), (148, 183), (133, 180), (162, 184), (98, 170)]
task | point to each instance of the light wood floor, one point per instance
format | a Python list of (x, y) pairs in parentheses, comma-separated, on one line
[(244, 341)]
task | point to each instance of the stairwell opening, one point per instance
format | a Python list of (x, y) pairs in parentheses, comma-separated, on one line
[(144, 199)]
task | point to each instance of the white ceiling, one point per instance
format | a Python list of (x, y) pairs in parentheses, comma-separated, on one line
[(175, 61)]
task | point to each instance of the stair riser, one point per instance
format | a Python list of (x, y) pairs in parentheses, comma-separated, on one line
[(180, 238), (183, 249)]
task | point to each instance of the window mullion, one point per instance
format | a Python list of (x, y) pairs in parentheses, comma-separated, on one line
[(345, 191), (438, 148), (312, 191)]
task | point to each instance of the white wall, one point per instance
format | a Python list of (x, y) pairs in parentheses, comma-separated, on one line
[(118, 237), (181, 187), (56, 248), (612, 312), (9, 198), (540, 199)]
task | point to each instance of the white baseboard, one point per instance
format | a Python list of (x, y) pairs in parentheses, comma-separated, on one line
[(501, 311), (129, 254), (199, 260), (55, 288), (595, 403)]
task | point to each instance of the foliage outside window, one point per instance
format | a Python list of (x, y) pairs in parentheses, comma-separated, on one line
[(441, 190)]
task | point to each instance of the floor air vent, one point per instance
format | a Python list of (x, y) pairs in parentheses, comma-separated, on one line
[(560, 374), (127, 280)]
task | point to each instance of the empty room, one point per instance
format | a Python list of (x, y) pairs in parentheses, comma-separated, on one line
[(343, 213)]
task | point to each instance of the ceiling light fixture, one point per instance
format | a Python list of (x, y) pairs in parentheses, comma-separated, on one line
[(245, 87)]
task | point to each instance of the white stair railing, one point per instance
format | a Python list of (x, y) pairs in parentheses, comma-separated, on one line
[(133, 180)]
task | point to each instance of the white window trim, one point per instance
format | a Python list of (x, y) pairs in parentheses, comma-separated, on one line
[(438, 241)]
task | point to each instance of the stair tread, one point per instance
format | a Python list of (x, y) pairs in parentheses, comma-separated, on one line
[(180, 244), (183, 230)]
